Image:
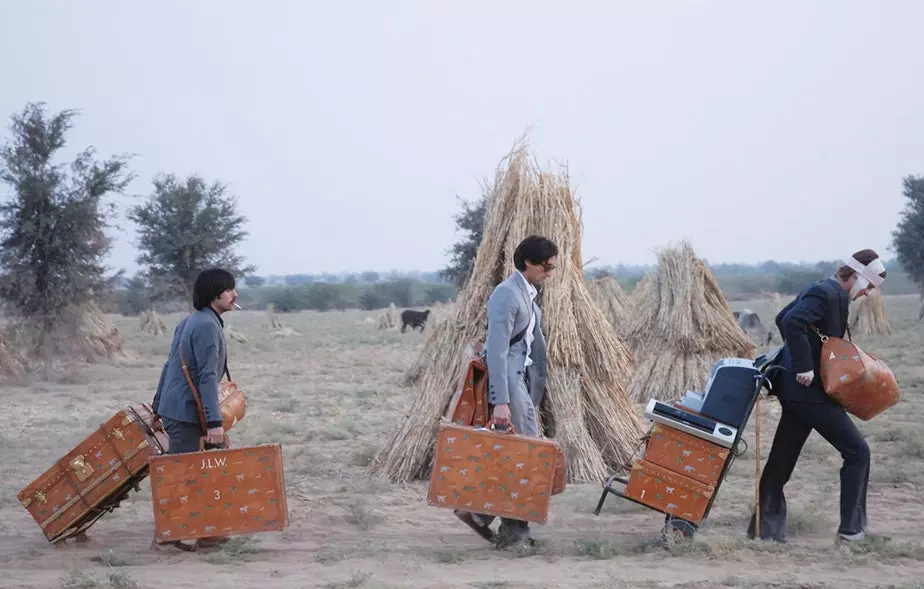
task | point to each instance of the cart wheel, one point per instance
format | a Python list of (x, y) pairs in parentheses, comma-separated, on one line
[(678, 529)]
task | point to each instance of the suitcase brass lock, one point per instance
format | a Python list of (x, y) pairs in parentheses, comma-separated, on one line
[(81, 468), (40, 497), (117, 434)]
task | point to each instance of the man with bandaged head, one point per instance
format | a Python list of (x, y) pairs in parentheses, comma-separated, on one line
[(824, 306)]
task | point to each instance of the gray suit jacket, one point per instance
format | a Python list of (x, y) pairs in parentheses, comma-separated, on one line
[(508, 315), (202, 339)]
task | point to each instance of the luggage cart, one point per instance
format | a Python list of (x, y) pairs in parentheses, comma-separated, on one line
[(675, 525)]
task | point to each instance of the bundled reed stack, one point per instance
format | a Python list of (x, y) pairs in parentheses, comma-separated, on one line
[(593, 418), (612, 300), (152, 323), (775, 306), (868, 315), (681, 325), (274, 322), (97, 338), (235, 334), (13, 365), (388, 319)]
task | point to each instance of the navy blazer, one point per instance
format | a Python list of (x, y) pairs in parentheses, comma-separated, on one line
[(824, 304), (201, 337)]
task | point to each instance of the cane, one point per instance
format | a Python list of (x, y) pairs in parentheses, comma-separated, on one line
[(757, 466)]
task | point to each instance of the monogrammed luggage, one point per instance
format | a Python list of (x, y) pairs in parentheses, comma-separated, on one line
[(93, 478), (668, 492), (221, 492), (493, 473), (685, 454)]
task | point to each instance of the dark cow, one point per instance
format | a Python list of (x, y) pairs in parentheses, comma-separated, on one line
[(750, 323), (414, 319)]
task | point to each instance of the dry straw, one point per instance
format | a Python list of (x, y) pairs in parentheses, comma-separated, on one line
[(98, 339), (388, 318), (152, 323), (612, 300), (680, 326), (593, 418), (868, 316)]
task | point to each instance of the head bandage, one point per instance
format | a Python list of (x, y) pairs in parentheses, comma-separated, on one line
[(866, 275)]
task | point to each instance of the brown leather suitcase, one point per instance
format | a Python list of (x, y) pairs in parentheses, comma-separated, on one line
[(685, 454), (93, 478), (469, 407), (222, 492), (668, 492), (494, 473)]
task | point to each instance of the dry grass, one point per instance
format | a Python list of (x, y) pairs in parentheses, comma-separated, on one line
[(333, 396), (868, 316), (681, 325), (588, 364)]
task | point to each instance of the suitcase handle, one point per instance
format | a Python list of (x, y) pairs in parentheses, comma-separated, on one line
[(509, 429), (204, 445)]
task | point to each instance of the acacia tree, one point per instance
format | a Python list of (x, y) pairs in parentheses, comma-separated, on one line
[(908, 236), (185, 227), (52, 226), (469, 222)]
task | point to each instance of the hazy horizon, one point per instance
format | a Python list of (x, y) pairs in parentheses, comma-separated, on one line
[(670, 117)]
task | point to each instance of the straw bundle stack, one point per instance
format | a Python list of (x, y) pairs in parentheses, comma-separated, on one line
[(13, 365), (593, 418), (98, 338), (868, 316), (680, 326), (612, 300), (388, 319), (274, 322), (235, 334), (152, 323)]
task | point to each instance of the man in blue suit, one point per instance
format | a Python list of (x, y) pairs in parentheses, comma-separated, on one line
[(822, 306), (516, 359), (199, 339)]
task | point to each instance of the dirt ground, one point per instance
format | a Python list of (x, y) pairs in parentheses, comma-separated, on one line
[(330, 396)]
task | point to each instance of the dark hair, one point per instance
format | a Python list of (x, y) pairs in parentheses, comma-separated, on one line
[(535, 249), (209, 286), (862, 256)]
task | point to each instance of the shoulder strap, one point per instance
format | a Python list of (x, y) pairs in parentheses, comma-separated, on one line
[(203, 423)]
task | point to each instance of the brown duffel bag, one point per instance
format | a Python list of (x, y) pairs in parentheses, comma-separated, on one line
[(862, 384)]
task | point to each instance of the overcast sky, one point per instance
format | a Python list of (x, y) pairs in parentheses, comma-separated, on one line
[(348, 128)]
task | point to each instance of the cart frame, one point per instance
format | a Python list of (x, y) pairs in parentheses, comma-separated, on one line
[(676, 524)]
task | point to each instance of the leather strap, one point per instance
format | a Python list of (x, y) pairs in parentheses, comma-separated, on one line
[(203, 422)]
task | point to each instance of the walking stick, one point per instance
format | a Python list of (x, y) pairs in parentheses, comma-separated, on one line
[(757, 466)]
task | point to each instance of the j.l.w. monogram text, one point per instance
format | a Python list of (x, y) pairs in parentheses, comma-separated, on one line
[(208, 463)]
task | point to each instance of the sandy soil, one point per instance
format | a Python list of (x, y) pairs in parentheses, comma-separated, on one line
[(330, 397)]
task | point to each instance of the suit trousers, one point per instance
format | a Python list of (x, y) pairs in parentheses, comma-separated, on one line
[(831, 421), (523, 418)]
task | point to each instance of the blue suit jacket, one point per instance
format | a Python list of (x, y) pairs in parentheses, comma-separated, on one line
[(202, 340), (824, 304)]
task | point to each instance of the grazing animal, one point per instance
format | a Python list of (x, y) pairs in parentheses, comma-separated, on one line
[(414, 319), (750, 323)]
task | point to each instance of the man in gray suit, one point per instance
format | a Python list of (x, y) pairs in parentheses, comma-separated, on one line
[(515, 356)]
